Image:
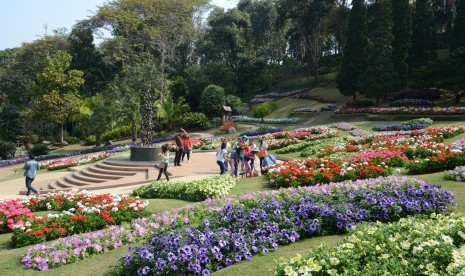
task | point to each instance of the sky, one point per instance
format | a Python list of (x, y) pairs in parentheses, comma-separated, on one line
[(24, 20)]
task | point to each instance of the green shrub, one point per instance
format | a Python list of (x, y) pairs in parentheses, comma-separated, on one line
[(117, 133), (212, 100), (265, 109), (90, 140), (39, 149), (32, 138), (72, 140), (7, 150), (360, 103), (199, 190), (195, 120)]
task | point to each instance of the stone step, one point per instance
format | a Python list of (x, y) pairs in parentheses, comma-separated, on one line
[(121, 163), (98, 170), (80, 176), (119, 168), (92, 174), (63, 183), (71, 181)]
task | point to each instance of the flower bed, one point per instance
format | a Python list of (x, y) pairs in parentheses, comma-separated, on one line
[(412, 102), (305, 110), (453, 110), (359, 132), (309, 134), (313, 171), (247, 119), (261, 131), (343, 126), (72, 162), (237, 232), (82, 211), (392, 158), (276, 203), (457, 174), (199, 190), (399, 127), (421, 245)]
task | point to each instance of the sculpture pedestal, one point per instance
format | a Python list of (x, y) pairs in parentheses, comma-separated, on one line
[(147, 154)]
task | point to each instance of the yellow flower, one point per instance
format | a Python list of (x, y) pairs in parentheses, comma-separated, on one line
[(334, 261), (447, 239), (289, 270)]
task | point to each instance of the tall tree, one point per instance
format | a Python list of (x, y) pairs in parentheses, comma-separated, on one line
[(402, 32), (458, 31), (354, 59), (379, 77), (308, 19), (87, 58), (423, 30), (57, 88)]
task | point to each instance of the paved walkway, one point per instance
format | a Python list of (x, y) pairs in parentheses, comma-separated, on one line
[(201, 165)]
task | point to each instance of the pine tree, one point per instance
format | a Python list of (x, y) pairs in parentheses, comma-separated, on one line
[(354, 60), (423, 34), (402, 32), (379, 77)]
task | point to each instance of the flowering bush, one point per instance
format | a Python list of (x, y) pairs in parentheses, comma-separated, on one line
[(313, 171), (421, 245), (227, 126), (236, 232), (199, 190), (82, 212), (11, 213), (457, 174)]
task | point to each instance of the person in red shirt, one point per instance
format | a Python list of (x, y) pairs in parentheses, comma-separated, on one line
[(187, 147)]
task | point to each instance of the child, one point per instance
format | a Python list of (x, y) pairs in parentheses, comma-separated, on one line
[(165, 156)]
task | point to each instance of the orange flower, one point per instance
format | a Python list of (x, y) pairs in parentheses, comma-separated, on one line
[(61, 230)]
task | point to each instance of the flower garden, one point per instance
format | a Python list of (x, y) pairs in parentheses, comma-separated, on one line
[(337, 183)]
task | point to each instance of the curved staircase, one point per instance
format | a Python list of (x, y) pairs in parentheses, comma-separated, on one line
[(110, 173)]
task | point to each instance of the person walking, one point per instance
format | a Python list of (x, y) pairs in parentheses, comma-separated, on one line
[(30, 171), (187, 147), (236, 159), (263, 147), (221, 157), (165, 157), (179, 147)]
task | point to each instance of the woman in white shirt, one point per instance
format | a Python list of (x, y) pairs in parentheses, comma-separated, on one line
[(165, 157), (221, 157)]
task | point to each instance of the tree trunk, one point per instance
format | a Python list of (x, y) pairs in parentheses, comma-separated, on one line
[(377, 101), (133, 131), (62, 132), (97, 139), (354, 96)]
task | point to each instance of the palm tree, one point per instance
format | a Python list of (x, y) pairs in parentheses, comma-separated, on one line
[(169, 111)]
